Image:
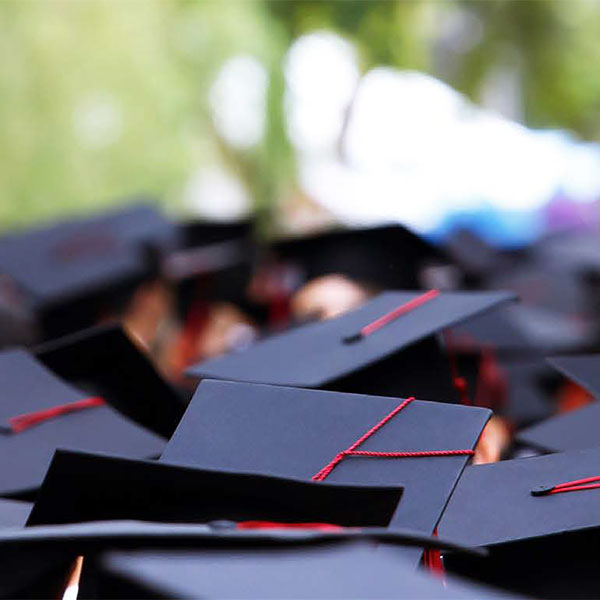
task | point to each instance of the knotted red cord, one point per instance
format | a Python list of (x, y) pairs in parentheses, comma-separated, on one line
[(576, 485), (352, 450), (22, 422), (275, 525), (393, 315)]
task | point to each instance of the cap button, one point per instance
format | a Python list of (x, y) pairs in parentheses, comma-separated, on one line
[(541, 490)]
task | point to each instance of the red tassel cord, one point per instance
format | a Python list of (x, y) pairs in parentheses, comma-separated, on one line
[(577, 485), (393, 315), (432, 560), (352, 450), (22, 422)]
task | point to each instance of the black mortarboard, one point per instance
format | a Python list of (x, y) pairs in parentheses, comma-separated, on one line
[(542, 284), (292, 432), (496, 329), (104, 361), (473, 254), (14, 513), (531, 383), (40, 412), (539, 517), (396, 359), (387, 257), (577, 429), (212, 261), (583, 369), (69, 272), (27, 553), (332, 570), (81, 487)]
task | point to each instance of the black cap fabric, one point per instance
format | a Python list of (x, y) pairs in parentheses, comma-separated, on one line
[(577, 429), (14, 513), (494, 504), (80, 538), (583, 369), (291, 432), (61, 268), (335, 570), (496, 329), (388, 257), (320, 355), (26, 554), (105, 361), (212, 262), (29, 387), (530, 385), (55, 262), (101, 488), (542, 542)]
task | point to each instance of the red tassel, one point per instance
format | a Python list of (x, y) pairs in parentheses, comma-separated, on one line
[(22, 422)]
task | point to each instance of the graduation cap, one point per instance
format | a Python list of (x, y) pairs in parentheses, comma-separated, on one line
[(387, 347), (333, 437), (81, 487), (473, 254), (574, 430), (105, 362), (335, 570), (495, 343), (40, 412), (212, 261), (27, 554), (69, 272), (539, 517), (14, 513), (389, 256), (496, 329)]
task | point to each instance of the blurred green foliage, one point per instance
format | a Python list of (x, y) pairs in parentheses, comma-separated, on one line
[(142, 69)]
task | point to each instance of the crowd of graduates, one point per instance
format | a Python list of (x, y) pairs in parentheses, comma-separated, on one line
[(189, 410)]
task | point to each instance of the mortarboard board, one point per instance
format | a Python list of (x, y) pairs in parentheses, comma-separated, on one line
[(583, 369), (104, 361), (81, 487), (473, 254), (577, 429), (333, 570), (297, 433), (538, 516), (367, 350), (389, 256), (14, 513), (496, 329), (39, 412), (69, 271), (212, 261), (27, 554)]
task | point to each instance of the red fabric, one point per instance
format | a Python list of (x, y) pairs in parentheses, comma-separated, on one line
[(22, 422), (352, 450), (275, 525), (398, 312)]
